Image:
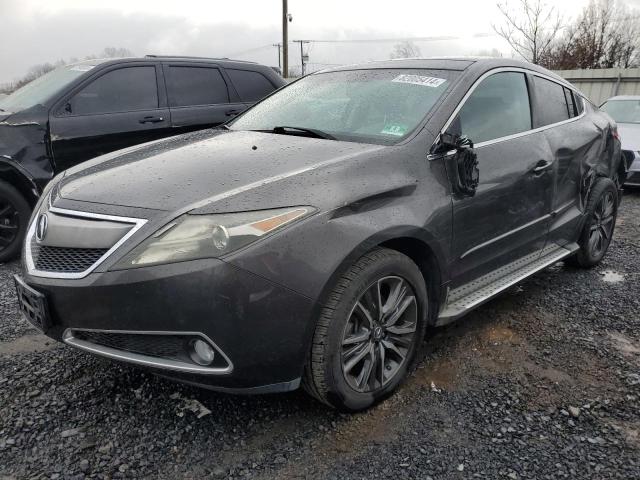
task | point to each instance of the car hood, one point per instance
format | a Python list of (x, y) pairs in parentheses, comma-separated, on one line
[(204, 168), (630, 135), (4, 116)]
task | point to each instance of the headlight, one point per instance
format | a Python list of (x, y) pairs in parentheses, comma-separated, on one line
[(192, 237)]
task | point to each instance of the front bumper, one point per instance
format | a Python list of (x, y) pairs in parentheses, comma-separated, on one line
[(633, 175), (263, 328)]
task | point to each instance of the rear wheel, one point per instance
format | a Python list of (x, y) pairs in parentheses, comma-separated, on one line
[(14, 216), (601, 213), (368, 334)]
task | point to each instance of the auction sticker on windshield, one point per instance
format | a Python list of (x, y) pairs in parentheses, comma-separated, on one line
[(397, 130), (419, 80)]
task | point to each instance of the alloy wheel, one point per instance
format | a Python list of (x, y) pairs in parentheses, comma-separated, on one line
[(9, 223), (379, 334), (601, 227)]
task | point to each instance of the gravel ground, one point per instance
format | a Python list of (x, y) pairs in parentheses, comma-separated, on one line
[(543, 382)]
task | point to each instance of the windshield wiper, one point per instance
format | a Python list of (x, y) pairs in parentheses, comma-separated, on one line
[(311, 132)]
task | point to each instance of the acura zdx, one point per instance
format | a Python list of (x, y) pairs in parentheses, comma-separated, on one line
[(312, 240)]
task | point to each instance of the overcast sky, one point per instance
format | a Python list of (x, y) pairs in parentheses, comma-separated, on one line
[(38, 31)]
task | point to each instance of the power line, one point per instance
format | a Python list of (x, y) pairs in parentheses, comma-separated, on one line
[(399, 39)]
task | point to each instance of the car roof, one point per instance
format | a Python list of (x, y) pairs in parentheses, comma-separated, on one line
[(94, 62), (480, 64)]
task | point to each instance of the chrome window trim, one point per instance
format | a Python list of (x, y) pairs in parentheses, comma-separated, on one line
[(519, 134), (33, 271), (147, 360)]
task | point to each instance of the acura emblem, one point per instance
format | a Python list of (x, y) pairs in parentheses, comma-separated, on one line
[(41, 227)]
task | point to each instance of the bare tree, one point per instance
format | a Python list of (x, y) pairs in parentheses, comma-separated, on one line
[(406, 49), (530, 28), (494, 53), (605, 35)]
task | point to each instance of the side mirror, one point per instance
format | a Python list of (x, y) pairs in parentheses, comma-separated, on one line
[(67, 107), (461, 160)]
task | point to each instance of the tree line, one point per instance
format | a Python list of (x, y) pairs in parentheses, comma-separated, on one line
[(40, 69), (606, 34)]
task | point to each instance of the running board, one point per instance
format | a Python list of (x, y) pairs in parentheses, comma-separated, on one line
[(467, 297)]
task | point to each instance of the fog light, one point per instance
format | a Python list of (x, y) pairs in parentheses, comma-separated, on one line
[(202, 353)]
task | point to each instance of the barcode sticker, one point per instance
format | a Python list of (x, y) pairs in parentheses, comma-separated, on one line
[(419, 80)]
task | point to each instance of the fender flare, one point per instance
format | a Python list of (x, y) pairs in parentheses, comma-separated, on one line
[(377, 239), (13, 173)]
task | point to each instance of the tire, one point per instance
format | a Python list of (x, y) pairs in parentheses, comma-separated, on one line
[(14, 217), (344, 332), (600, 219)]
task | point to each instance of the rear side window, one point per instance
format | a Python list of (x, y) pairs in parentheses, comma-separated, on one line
[(579, 103), (189, 86), (251, 86), (570, 105), (498, 107), (552, 101), (124, 90)]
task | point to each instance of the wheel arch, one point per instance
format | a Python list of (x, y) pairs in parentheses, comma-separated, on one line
[(417, 244), (19, 180)]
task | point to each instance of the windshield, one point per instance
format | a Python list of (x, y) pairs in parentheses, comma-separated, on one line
[(623, 111), (370, 106), (42, 88)]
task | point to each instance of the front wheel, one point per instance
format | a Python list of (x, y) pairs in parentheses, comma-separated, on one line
[(600, 219), (14, 216), (369, 332)]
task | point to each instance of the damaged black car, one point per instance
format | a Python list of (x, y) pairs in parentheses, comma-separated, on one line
[(313, 241), (80, 111)]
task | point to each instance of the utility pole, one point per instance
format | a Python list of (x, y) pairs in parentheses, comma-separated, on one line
[(279, 45), (285, 39), (303, 57)]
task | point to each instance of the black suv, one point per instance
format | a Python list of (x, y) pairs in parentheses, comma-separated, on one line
[(80, 111)]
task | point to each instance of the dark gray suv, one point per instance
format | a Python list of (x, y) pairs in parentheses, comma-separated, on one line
[(313, 240)]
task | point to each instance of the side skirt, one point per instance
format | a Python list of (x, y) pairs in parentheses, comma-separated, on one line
[(471, 295)]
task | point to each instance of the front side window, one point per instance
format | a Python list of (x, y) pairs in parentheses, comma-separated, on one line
[(371, 106), (497, 108), (623, 111), (191, 86), (552, 101), (123, 90)]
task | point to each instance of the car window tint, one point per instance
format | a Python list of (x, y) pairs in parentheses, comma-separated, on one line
[(251, 86), (552, 101), (189, 86), (123, 90), (498, 107)]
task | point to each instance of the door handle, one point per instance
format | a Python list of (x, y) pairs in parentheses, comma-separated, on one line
[(541, 166), (151, 119), (232, 113)]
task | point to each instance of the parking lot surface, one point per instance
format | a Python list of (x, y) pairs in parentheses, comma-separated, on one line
[(542, 382)]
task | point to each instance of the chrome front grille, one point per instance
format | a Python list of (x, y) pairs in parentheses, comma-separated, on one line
[(74, 243), (65, 260)]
